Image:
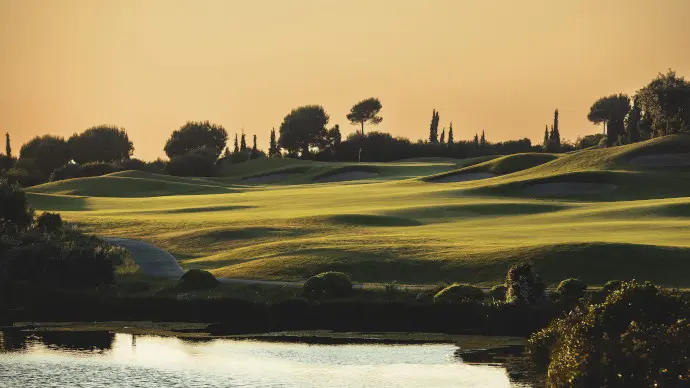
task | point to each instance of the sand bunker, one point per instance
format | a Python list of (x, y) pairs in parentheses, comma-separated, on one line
[(349, 176), (471, 176), (662, 160), (269, 178), (569, 188)]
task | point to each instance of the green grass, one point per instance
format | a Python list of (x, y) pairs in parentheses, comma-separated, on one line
[(398, 226)]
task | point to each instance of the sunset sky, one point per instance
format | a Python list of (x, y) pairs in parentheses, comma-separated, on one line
[(151, 65)]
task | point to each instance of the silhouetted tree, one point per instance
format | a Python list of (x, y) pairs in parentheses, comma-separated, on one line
[(273, 146), (555, 135), (8, 147), (433, 128), (243, 142), (195, 135), (666, 101), (102, 143), (334, 136), (610, 111), (482, 140), (442, 140), (632, 122), (366, 111), (476, 141), (546, 143), (47, 152), (237, 145), (450, 135), (302, 128)]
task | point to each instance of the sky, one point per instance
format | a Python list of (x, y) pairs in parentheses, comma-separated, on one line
[(501, 66)]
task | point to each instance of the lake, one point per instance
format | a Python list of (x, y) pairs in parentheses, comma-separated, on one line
[(97, 359)]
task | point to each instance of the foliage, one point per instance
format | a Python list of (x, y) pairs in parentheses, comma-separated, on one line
[(200, 162), (15, 214), (523, 285), (273, 150), (433, 127), (590, 141), (49, 222), (611, 286), (48, 152), (194, 135), (552, 140), (666, 102), (611, 111), (8, 146), (365, 111), (456, 293), (451, 140), (102, 143), (498, 292), (571, 289), (304, 128), (637, 337), (328, 285), (197, 279)]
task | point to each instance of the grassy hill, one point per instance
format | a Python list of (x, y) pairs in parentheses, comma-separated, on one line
[(598, 214)]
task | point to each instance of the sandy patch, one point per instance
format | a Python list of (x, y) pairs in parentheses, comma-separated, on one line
[(662, 160), (471, 176), (569, 188), (269, 178), (349, 176)]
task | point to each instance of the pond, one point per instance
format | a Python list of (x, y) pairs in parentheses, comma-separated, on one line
[(97, 359)]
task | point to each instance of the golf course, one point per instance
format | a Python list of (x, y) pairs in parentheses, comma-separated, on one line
[(597, 214)]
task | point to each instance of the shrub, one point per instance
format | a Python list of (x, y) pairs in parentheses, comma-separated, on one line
[(459, 293), (49, 222), (15, 213), (611, 286), (200, 162), (197, 279), (637, 337), (523, 286), (72, 170), (571, 289), (328, 285), (498, 292)]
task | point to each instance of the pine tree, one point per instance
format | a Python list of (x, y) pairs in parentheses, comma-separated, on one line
[(237, 147), (273, 146), (555, 138), (442, 140), (476, 140), (433, 129), (243, 142), (8, 148), (545, 145), (482, 141), (450, 135)]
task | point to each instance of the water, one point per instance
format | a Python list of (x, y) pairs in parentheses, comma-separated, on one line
[(121, 360)]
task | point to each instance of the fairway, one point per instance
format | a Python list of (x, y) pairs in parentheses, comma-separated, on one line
[(596, 214)]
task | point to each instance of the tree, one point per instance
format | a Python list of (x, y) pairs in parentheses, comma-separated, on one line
[(552, 140), (482, 140), (546, 143), (632, 122), (254, 147), (450, 135), (334, 136), (237, 146), (8, 148), (48, 153), (273, 146), (433, 128), (195, 135), (302, 128), (366, 111), (243, 142), (667, 102), (476, 141), (442, 140), (102, 143), (610, 111)]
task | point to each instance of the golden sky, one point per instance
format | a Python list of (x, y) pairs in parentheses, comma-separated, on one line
[(151, 65)]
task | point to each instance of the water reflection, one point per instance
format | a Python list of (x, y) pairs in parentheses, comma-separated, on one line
[(93, 359)]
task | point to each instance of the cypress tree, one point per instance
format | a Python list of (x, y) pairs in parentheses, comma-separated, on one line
[(443, 136), (555, 138), (8, 148), (482, 141), (237, 147), (450, 135), (476, 140), (254, 147), (273, 147), (545, 145), (433, 129), (243, 142)]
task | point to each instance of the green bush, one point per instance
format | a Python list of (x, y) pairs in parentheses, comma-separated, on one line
[(571, 289), (328, 285), (459, 293), (638, 337), (524, 286), (498, 292), (197, 279), (49, 222)]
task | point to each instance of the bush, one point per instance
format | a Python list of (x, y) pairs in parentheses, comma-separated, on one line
[(571, 289), (498, 292), (200, 162), (49, 222), (459, 293), (197, 279), (611, 286), (328, 285), (639, 336), (523, 286), (72, 170), (15, 214)]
